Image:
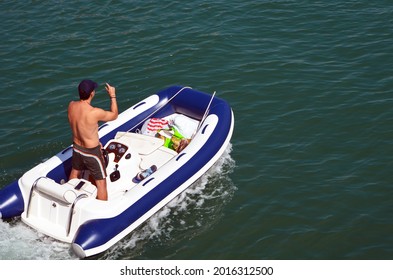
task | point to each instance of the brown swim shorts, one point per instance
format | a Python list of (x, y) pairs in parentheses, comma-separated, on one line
[(90, 159)]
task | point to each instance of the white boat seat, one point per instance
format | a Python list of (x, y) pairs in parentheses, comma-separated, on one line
[(142, 144), (151, 149), (158, 158), (67, 192), (83, 186)]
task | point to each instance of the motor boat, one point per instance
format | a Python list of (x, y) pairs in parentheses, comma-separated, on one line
[(154, 150)]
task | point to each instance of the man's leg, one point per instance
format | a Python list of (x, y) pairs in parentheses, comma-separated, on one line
[(102, 193), (75, 174)]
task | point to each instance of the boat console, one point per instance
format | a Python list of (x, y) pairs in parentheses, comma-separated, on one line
[(118, 149), (128, 154)]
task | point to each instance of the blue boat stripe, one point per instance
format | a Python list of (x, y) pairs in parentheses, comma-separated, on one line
[(148, 181), (204, 129), (65, 150), (179, 156), (102, 126), (138, 105)]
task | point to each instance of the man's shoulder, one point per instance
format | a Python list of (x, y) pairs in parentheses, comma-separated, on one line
[(72, 103), (96, 109), (96, 113)]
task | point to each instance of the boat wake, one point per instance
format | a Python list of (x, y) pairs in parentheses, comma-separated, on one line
[(195, 210), (20, 242)]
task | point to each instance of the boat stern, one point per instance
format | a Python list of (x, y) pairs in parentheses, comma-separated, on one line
[(52, 208)]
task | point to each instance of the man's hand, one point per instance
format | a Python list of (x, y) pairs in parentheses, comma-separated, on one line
[(111, 90)]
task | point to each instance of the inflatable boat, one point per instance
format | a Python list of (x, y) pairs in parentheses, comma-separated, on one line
[(154, 151)]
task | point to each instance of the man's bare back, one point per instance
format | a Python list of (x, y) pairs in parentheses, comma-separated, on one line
[(84, 119), (83, 123)]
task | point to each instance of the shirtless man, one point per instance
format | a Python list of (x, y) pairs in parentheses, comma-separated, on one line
[(83, 119)]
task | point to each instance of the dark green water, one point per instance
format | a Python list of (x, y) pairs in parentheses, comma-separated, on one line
[(309, 175)]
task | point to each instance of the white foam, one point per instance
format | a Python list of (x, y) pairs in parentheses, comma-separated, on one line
[(20, 242)]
